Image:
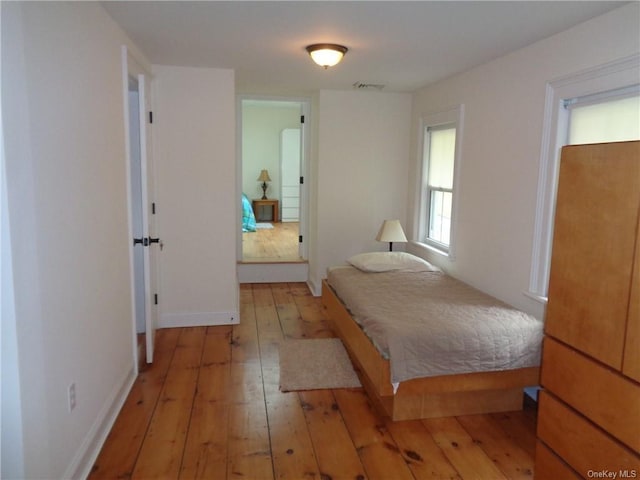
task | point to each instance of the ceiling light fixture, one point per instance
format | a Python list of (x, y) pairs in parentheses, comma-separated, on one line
[(326, 54)]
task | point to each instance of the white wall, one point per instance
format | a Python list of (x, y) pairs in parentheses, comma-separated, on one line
[(62, 101), (504, 103), (197, 198), (11, 441), (361, 164), (261, 129)]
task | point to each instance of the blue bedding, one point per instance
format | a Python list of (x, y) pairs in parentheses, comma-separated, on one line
[(248, 218)]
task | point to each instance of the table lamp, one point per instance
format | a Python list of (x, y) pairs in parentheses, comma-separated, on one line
[(391, 231), (264, 178)]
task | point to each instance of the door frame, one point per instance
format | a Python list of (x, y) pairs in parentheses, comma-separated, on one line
[(303, 224), (131, 67)]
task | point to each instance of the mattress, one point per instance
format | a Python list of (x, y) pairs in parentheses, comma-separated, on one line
[(430, 324)]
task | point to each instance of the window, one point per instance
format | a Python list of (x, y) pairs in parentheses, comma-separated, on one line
[(607, 117), (440, 152), (569, 98), (439, 158)]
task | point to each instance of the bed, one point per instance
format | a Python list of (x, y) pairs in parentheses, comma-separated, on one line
[(248, 217), (426, 345)]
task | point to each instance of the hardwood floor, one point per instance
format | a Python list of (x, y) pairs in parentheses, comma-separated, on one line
[(210, 407), (277, 244)]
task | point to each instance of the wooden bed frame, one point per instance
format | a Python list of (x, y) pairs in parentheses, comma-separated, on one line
[(429, 397)]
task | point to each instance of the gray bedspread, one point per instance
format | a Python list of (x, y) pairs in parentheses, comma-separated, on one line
[(430, 324)]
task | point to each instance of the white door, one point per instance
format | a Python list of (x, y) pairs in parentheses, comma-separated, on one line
[(137, 206), (145, 242), (290, 174), (148, 216)]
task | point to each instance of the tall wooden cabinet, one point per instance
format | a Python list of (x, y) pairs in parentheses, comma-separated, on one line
[(589, 411)]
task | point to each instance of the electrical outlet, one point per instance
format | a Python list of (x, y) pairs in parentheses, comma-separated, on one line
[(71, 391)]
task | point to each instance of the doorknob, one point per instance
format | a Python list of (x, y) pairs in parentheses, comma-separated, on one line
[(146, 241)]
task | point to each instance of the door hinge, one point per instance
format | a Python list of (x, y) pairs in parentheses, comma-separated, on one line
[(155, 298), (153, 208), (300, 239), (150, 117), (301, 118), (301, 180)]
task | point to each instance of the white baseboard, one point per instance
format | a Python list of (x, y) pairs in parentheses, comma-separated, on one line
[(86, 455), (316, 290), (198, 319)]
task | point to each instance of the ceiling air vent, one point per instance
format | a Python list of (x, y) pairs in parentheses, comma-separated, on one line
[(368, 86)]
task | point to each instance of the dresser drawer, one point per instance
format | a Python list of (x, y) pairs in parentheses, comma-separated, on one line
[(585, 447), (599, 393), (550, 467)]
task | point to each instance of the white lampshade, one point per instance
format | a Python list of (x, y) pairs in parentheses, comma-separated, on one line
[(391, 231), (326, 54)]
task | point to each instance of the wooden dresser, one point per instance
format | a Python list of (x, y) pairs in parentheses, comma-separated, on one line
[(589, 410)]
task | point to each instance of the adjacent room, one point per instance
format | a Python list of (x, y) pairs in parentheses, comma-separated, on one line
[(272, 155), (316, 239)]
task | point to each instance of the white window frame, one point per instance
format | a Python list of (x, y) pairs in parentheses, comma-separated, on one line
[(451, 117), (614, 75)]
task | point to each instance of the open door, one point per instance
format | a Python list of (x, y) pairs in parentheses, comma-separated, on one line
[(145, 242), (303, 165), (152, 241)]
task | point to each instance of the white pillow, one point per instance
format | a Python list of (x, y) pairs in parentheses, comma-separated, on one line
[(387, 261)]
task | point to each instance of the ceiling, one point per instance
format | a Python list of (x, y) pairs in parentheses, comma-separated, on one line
[(402, 45)]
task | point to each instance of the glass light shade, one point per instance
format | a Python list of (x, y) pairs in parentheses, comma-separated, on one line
[(326, 54)]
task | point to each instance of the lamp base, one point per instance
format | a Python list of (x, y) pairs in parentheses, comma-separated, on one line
[(264, 191)]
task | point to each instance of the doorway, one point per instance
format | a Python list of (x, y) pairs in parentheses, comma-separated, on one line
[(273, 155)]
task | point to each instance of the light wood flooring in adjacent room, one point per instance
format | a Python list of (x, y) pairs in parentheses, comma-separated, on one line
[(210, 407), (277, 244)]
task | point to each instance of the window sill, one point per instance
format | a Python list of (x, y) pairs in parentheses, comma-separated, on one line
[(431, 249)]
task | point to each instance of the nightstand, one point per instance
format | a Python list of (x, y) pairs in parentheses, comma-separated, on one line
[(258, 208)]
